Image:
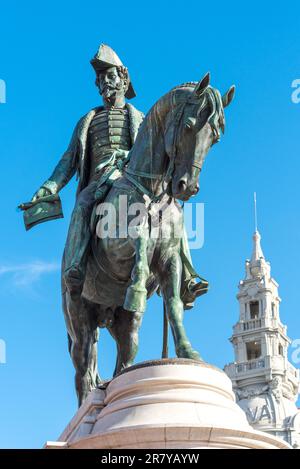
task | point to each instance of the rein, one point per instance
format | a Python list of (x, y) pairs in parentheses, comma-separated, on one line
[(129, 173), (154, 198)]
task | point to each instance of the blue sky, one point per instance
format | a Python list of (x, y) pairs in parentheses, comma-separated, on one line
[(44, 60)]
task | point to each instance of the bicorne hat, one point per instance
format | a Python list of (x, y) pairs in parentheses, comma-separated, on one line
[(106, 58)]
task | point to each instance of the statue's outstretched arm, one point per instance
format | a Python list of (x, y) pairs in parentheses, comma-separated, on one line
[(64, 170)]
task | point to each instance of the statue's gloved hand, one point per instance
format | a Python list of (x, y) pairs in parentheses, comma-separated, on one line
[(121, 153), (48, 188), (42, 192), (117, 158), (121, 158)]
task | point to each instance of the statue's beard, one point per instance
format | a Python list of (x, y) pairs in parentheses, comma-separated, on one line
[(110, 92)]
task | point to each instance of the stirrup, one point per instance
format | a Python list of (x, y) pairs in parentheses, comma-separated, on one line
[(193, 291)]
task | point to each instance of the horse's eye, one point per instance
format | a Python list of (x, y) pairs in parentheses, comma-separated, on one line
[(190, 122)]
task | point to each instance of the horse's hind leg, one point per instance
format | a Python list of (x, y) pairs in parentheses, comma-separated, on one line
[(124, 330), (82, 338), (169, 273), (95, 377)]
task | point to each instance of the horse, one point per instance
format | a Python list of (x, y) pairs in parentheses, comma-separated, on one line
[(124, 269)]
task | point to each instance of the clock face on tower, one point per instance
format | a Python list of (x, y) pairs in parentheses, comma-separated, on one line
[(252, 291), (255, 270)]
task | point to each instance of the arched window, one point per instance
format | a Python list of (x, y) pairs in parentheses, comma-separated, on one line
[(254, 309), (253, 350), (273, 310)]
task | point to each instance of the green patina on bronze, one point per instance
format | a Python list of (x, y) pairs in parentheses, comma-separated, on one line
[(155, 160), (41, 210)]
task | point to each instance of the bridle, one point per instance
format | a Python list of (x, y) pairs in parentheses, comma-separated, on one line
[(130, 174), (214, 99)]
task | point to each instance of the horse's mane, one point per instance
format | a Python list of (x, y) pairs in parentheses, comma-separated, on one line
[(212, 97), (176, 99), (188, 84)]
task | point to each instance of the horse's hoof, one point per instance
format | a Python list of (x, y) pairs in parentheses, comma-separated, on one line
[(194, 355), (188, 352), (98, 380), (135, 299), (103, 385)]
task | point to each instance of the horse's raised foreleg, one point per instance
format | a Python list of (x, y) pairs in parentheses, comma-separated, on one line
[(136, 296), (170, 280), (124, 330)]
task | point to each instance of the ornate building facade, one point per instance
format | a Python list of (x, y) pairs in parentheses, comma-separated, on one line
[(266, 384)]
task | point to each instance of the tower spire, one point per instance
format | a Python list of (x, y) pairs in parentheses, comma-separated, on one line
[(255, 212), (257, 250), (265, 382), (257, 253)]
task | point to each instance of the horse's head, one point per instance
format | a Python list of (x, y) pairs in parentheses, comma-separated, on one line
[(195, 125)]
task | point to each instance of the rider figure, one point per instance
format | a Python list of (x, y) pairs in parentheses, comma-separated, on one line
[(97, 152)]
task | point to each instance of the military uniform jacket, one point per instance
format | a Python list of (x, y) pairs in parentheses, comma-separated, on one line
[(75, 158)]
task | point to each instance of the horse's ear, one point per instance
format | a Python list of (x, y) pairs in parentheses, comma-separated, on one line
[(228, 97), (202, 85)]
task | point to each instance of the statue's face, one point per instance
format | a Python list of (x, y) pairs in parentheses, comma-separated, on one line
[(110, 83)]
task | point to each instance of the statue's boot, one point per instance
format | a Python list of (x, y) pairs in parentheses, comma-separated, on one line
[(191, 288)]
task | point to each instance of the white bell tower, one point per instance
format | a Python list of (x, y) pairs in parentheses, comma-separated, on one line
[(265, 382)]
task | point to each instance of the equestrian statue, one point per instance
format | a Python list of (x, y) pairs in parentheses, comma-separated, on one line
[(114, 259)]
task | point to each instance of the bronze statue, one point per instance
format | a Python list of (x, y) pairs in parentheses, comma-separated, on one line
[(106, 280), (101, 140)]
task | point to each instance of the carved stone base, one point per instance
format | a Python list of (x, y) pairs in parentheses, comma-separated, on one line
[(170, 403)]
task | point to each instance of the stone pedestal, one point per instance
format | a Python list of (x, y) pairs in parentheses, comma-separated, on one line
[(170, 403)]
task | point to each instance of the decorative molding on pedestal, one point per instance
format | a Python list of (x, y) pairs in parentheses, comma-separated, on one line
[(169, 403)]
